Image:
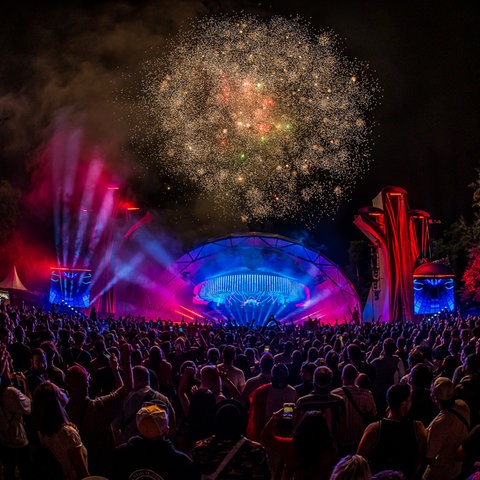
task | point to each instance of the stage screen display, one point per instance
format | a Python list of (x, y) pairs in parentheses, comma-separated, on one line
[(433, 295), (70, 286)]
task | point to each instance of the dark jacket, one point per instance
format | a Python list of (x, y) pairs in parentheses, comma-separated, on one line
[(142, 459)]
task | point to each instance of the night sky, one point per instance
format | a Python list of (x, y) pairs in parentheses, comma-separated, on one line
[(82, 57)]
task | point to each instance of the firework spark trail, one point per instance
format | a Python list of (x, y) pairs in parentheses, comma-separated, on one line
[(263, 116)]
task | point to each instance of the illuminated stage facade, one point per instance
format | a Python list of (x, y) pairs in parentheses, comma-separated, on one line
[(252, 276)]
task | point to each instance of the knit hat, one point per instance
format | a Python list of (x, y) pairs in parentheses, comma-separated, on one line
[(77, 372), (152, 422)]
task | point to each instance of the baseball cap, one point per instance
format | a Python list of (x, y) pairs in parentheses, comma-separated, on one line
[(443, 389), (152, 421)]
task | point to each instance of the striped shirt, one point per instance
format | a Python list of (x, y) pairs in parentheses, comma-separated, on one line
[(354, 423)]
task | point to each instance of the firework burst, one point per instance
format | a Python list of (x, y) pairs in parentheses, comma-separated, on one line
[(263, 116)]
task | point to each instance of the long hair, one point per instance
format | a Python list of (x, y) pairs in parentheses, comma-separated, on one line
[(312, 438), (155, 358), (5, 379), (47, 411), (351, 467)]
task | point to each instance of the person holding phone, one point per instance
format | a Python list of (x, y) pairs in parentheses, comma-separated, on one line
[(267, 399), (309, 452)]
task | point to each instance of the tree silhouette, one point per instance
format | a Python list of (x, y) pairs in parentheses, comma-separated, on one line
[(471, 277)]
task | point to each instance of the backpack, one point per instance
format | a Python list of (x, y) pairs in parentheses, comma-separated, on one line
[(148, 399)]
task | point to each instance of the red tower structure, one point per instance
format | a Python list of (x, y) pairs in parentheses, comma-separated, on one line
[(122, 213), (400, 240)]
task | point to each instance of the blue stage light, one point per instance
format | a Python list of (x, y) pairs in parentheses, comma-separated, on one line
[(252, 290), (70, 287)]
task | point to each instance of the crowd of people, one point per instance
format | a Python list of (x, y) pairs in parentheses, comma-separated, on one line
[(131, 399)]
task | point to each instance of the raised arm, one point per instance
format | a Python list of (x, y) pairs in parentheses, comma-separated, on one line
[(126, 364), (183, 387)]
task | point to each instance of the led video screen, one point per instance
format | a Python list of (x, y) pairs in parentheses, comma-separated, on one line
[(433, 295), (70, 286)]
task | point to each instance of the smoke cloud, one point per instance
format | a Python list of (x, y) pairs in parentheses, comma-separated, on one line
[(78, 65)]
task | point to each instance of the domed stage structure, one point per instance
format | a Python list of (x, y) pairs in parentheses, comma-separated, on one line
[(252, 276)]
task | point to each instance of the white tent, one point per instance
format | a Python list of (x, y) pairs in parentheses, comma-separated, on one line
[(12, 281)]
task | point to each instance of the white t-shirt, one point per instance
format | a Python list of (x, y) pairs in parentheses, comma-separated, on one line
[(13, 406), (445, 434)]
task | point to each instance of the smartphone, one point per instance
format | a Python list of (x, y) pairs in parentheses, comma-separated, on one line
[(180, 329), (266, 349), (285, 425), (288, 409)]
